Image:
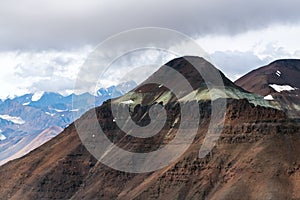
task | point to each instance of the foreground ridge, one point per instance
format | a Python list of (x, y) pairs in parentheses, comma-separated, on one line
[(256, 157)]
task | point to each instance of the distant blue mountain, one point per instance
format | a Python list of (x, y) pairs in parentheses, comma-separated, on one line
[(23, 118)]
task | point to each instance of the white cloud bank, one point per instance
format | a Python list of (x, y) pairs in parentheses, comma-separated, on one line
[(43, 44), (56, 70), (60, 24), (28, 72)]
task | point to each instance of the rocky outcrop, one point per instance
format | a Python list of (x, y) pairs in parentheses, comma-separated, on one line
[(63, 168), (256, 157)]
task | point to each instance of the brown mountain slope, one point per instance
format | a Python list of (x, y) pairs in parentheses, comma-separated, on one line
[(266, 81), (257, 157), (40, 139)]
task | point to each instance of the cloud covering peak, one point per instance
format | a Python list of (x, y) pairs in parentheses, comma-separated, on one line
[(35, 24)]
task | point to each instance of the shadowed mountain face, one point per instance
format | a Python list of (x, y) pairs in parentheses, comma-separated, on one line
[(278, 82), (256, 156)]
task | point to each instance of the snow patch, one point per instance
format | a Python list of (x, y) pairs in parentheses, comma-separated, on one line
[(51, 114), (128, 102), (278, 73), (2, 137), (297, 107), (26, 104), (268, 97), (37, 96), (16, 120), (75, 110), (57, 110), (280, 88)]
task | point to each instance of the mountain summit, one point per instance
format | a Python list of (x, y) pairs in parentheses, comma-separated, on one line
[(278, 82), (195, 79), (256, 156), (195, 70)]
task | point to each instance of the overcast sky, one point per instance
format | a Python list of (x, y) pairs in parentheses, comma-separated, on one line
[(44, 43)]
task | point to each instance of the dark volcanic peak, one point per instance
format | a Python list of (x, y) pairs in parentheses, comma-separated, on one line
[(280, 72), (287, 71), (188, 78), (256, 156), (278, 81), (290, 71), (196, 70), (190, 66), (293, 64)]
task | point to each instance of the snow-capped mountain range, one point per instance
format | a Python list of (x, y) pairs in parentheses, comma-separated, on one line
[(24, 118), (257, 148)]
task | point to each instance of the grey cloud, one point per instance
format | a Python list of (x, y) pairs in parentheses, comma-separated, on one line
[(63, 61), (55, 84), (34, 24), (25, 71), (275, 52), (235, 63), (297, 53)]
